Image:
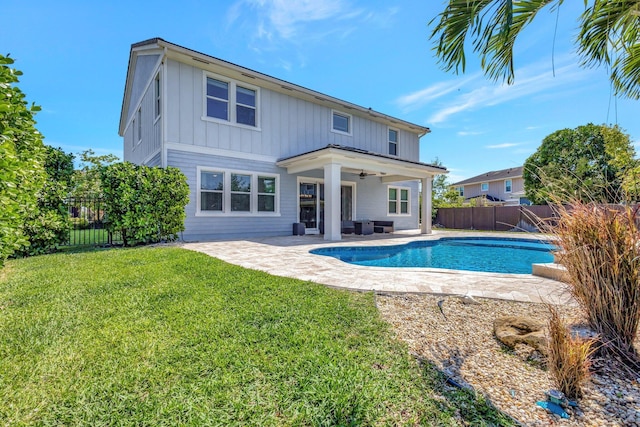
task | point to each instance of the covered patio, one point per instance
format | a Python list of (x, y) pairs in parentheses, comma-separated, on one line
[(333, 160)]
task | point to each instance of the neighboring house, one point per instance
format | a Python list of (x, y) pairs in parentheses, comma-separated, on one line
[(261, 154), (503, 187)]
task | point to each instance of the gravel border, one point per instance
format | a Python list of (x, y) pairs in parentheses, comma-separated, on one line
[(458, 338)]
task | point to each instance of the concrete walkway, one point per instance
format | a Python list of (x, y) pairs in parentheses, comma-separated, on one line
[(289, 256)]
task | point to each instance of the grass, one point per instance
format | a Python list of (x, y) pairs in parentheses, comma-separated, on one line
[(90, 236), (165, 336)]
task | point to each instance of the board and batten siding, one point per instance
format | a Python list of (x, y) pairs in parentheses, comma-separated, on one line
[(145, 70), (372, 202), (287, 125), (137, 149)]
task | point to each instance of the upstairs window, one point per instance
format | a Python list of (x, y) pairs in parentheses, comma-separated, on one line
[(393, 142), (341, 123), (460, 191), (217, 99), (231, 101), (507, 186), (157, 96), (484, 186), (246, 106), (139, 125)]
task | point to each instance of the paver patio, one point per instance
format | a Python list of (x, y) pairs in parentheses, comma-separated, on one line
[(289, 256)]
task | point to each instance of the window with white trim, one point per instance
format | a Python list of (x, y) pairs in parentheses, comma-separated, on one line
[(507, 186), (460, 191), (340, 122), (484, 186), (212, 191), (231, 101), (139, 126), (224, 192), (398, 201), (157, 95), (393, 142)]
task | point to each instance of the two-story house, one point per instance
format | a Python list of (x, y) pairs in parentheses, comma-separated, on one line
[(261, 154), (502, 187)]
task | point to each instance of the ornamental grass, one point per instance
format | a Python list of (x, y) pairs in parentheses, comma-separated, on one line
[(600, 248), (568, 357)]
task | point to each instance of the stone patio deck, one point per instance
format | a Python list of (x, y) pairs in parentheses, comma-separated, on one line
[(289, 256)]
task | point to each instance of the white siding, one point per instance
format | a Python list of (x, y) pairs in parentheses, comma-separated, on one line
[(149, 144)]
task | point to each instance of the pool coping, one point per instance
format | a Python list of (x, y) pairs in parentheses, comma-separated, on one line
[(289, 256)]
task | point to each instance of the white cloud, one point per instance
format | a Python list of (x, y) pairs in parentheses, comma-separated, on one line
[(468, 133), (504, 145), (532, 80)]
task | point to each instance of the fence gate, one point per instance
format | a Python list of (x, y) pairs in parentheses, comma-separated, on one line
[(86, 216)]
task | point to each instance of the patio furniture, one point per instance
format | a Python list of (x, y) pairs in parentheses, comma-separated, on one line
[(299, 229), (383, 226), (348, 227), (363, 227)]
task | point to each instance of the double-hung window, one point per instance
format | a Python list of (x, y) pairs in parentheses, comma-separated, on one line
[(484, 186), (212, 191), (245, 106), (507, 186), (223, 192), (231, 101), (393, 142), (240, 192), (398, 201), (460, 191), (217, 99)]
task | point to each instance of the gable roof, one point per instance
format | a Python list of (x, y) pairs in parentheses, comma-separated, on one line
[(493, 176), (210, 63)]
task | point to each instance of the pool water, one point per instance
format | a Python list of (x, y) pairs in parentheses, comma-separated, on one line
[(474, 254)]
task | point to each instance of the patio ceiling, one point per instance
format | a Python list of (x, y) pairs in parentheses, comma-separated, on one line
[(353, 160)]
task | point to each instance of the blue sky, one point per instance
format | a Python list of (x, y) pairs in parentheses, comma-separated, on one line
[(373, 53)]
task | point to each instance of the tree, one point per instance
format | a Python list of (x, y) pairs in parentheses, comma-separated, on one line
[(86, 180), (609, 35), (443, 195), (588, 163), (21, 160)]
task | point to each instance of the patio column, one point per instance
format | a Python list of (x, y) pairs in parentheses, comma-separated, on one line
[(332, 226), (425, 227)]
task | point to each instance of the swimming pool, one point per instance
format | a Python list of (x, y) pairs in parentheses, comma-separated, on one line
[(496, 255)]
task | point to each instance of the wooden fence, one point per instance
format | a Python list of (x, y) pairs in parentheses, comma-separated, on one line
[(495, 218)]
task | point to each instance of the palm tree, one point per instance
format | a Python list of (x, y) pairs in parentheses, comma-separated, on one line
[(609, 35)]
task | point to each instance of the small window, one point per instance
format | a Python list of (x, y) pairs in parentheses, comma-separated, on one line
[(393, 142), (460, 191), (484, 186), (398, 201), (211, 191), (507, 186), (157, 96), (217, 99), (341, 123)]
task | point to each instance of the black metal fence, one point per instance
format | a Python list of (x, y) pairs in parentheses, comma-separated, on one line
[(87, 218)]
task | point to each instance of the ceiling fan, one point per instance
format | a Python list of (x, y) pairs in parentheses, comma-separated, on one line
[(363, 174)]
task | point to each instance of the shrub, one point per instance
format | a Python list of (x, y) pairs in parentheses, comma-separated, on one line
[(21, 162), (601, 252), (144, 204), (568, 358), (80, 223)]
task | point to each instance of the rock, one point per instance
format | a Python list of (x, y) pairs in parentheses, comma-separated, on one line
[(468, 299), (513, 330)]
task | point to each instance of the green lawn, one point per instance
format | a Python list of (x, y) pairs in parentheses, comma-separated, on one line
[(89, 236), (165, 336)]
